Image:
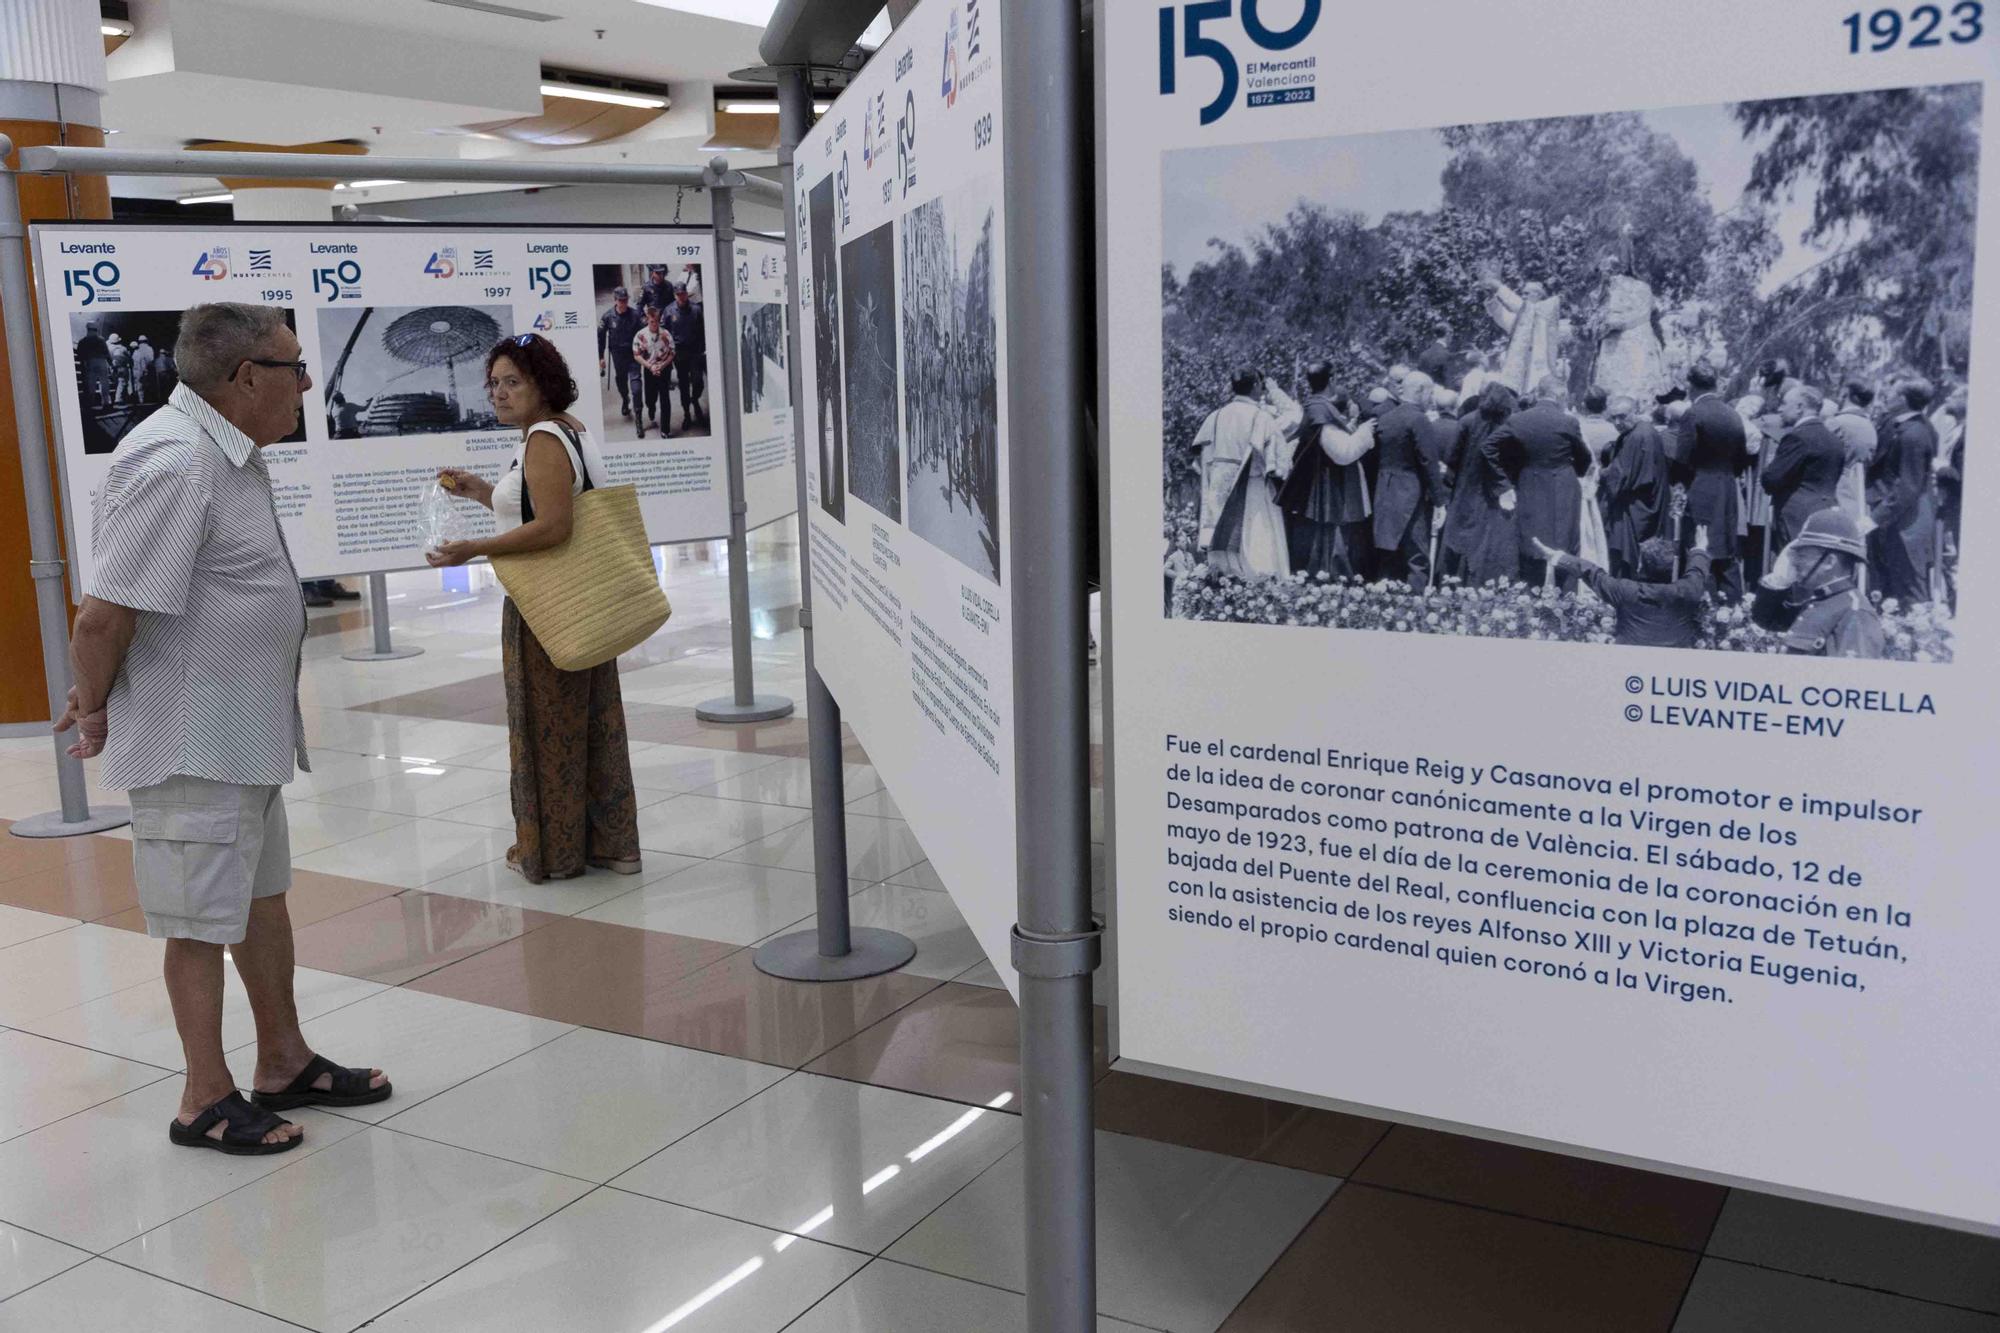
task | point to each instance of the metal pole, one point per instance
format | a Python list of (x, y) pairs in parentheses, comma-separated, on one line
[(745, 705), (378, 621), (1056, 943), (833, 951), (44, 550)]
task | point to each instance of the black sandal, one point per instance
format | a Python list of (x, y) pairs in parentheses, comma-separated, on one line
[(244, 1128), (350, 1088)]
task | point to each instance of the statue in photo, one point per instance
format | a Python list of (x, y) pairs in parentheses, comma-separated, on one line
[(1631, 363)]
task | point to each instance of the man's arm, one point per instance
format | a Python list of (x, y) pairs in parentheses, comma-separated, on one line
[(97, 646), (1786, 466)]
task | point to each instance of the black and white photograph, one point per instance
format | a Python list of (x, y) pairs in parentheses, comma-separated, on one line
[(767, 384), (125, 371), (950, 398), (1688, 378), (826, 353), (868, 344), (409, 370), (652, 350)]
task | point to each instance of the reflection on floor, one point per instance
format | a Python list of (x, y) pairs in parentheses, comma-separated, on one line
[(607, 1119)]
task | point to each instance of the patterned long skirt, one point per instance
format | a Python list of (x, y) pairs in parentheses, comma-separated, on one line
[(570, 761)]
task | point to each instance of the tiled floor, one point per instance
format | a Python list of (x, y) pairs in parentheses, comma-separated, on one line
[(606, 1119)]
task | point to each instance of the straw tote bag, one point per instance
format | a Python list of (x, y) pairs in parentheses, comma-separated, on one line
[(595, 595)]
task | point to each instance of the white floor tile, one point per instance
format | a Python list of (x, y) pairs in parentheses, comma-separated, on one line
[(879, 804), (789, 782), (845, 1163), (588, 1104), (495, 883), (686, 768), (410, 855), (351, 1230), (18, 925), (704, 826), (887, 1295), (99, 1178), (922, 875), (730, 901), (419, 789), (68, 967), (619, 1262), (492, 758), (26, 1258), (315, 827), (877, 849), (495, 810), (334, 769), (41, 1081), (137, 1023), (107, 1296), (424, 1043), (945, 944), (1182, 1235)]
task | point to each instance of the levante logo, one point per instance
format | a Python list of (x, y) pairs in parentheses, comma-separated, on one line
[(97, 284), (1185, 34)]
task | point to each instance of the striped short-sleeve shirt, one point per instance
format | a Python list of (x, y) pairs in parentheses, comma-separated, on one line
[(186, 533)]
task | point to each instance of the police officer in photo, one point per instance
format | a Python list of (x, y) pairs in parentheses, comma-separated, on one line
[(615, 331), (1812, 598), (685, 322)]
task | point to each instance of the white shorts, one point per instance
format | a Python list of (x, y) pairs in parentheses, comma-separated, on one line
[(202, 850)]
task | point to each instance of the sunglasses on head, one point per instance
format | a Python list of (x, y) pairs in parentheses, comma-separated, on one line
[(525, 340)]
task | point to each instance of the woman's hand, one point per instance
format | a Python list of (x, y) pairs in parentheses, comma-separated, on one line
[(466, 485), (453, 553)]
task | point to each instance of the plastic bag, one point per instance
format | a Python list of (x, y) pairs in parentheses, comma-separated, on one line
[(439, 519)]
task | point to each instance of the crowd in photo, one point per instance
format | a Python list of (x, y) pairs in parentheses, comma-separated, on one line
[(1811, 507)]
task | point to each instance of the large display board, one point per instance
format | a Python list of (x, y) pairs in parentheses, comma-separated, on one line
[(901, 276), (1403, 818), (770, 450), (395, 323)]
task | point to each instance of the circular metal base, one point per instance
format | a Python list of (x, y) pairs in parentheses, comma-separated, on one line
[(394, 654), (870, 953), (51, 825), (761, 708)]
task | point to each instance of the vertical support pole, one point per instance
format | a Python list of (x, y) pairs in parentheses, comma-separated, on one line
[(745, 705), (1056, 943), (833, 951), (378, 623), (44, 549)]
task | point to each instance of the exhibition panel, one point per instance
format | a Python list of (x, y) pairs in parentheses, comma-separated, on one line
[(394, 323), (901, 257), (764, 354), (1447, 410)]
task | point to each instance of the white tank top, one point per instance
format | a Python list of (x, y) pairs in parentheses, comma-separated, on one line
[(507, 490)]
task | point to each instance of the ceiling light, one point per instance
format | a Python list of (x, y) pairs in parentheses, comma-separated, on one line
[(597, 95), (750, 108), (208, 198), (366, 185), (115, 27)]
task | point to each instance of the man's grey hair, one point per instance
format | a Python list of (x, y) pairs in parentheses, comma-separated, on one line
[(218, 337)]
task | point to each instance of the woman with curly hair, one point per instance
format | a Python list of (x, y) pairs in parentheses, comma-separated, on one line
[(571, 763)]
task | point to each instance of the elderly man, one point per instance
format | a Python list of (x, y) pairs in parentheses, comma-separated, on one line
[(1711, 451), (1855, 429), (1634, 488), (1541, 453), (1409, 484), (186, 655), (1903, 542), (1803, 476)]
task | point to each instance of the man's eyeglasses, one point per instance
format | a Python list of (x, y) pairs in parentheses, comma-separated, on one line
[(298, 367)]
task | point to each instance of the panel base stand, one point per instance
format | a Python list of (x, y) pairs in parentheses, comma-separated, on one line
[(761, 708), (381, 654), (51, 825), (870, 953)]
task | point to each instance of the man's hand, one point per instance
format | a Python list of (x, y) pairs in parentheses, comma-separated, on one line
[(1507, 502), (1701, 537), (91, 728), (1544, 550)]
